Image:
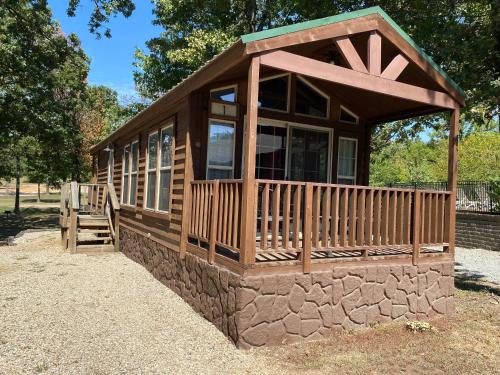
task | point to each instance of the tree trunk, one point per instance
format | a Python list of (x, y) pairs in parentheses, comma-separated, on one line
[(47, 188), (38, 199), (17, 209)]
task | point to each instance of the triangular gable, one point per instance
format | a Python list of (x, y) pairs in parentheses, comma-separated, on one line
[(284, 30)]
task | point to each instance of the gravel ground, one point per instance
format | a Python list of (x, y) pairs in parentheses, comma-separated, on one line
[(104, 314), (478, 264)]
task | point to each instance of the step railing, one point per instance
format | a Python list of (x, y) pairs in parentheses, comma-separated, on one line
[(92, 199)]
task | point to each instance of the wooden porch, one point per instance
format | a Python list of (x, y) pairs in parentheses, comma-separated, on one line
[(304, 223)]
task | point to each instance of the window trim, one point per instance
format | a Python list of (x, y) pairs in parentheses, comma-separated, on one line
[(220, 167), (129, 173), (320, 92), (342, 108), (160, 168), (288, 94), (235, 86), (157, 170), (355, 177)]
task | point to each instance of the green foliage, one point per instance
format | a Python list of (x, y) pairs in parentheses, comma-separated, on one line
[(103, 10), (478, 159)]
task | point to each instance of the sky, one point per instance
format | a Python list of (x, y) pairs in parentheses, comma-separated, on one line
[(111, 59)]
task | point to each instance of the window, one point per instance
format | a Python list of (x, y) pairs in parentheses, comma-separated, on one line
[(220, 153), (159, 166), (347, 116), (271, 152), (310, 101), (129, 181), (166, 142), (274, 93), (225, 94), (151, 170), (348, 149)]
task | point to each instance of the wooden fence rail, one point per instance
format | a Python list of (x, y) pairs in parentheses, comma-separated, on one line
[(303, 218), (215, 214)]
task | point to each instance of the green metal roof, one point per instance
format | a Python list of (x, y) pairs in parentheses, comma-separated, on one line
[(271, 33)]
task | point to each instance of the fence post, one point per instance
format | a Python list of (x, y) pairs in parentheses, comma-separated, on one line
[(213, 222), (306, 236), (416, 226)]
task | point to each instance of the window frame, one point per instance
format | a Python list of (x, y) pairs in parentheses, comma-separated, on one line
[(157, 168), (129, 173), (219, 167), (355, 176), (160, 168), (342, 108), (320, 92), (235, 86), (288, 92)]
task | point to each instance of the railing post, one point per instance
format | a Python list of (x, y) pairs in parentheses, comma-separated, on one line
[(248, 219), (117, 230), (75, 206), (213, 222), (416, 226), (307, 235), (452, 176)]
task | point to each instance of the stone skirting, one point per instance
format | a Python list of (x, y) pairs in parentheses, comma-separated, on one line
[(478, 230), (293, 307)]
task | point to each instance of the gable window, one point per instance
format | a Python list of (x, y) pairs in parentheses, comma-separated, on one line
[(274, 92), (220, 153), (224, 94), (129, 180), (347, 116), (158, 169), (310, 101), (346, 169)]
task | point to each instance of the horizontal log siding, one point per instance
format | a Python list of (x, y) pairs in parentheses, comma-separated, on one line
[(162, 228)]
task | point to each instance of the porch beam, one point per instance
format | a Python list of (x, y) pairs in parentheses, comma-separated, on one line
[(321, 70), (350, 54), (395, 67), (248, 206), (374, 61), (452, 176)]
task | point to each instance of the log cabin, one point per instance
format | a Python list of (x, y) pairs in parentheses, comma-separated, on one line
[(245, 188)]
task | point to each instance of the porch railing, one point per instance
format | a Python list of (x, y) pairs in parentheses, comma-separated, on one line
[(303, 218), (215, 214)]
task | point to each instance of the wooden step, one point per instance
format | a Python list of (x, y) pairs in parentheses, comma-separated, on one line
[(101, 248), (93, 231), (93, 223), (93, 239)]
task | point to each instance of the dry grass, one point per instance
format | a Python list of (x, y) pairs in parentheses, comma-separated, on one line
[(466, 343)]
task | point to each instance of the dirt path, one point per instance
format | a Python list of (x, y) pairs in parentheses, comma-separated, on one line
[(105, 314)]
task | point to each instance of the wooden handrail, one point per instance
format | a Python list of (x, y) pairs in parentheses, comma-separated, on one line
[(112, 197)]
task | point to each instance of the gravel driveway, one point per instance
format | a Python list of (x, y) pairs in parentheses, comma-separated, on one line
[(79, 314), (478, 264)]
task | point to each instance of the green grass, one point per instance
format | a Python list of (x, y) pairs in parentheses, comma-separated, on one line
[(34, 215)]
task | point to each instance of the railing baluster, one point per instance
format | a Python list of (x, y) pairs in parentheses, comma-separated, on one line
[(343, 217), (286, 217), (297, 197), (369, 219), (230, 214), (264, 217), (335, 218), (213, 221), (407, 218), (316, 216), (306, 236), (353, 201), (360, 235), (236, 215), (325, 221), (393, 198), (275, 224)]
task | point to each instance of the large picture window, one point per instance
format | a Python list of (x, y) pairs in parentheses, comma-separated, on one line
[(158, 169), (346, 171), (129, 180), (220, 155)]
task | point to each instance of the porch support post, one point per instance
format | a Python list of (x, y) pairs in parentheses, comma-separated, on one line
[(452, 176), (248, 204)]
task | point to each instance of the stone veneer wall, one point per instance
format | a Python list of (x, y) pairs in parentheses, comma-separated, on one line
[(294, 307), (476, 230)]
